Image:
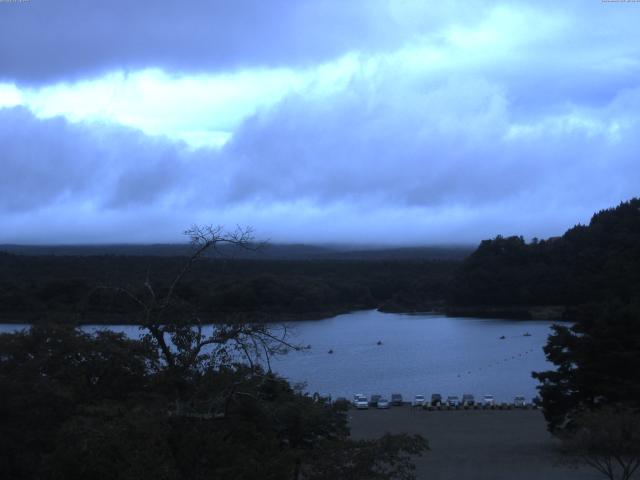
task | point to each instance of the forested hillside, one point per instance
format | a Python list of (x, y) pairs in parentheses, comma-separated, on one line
[(85, 288), (593, 263), (506, 276)]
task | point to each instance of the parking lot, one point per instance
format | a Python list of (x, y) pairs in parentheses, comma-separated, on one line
[(474, 444)]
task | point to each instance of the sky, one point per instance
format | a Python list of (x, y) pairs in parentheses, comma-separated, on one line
[(384, 122)]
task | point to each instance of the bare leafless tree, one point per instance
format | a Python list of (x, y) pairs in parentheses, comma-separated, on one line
[(175, 329)]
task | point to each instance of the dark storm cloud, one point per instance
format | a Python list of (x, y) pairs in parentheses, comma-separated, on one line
[(46, 41), (345, 170), (40, 161), (46, 162), (41, 41), (427, 135)]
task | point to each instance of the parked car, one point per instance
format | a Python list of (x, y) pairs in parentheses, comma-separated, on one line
[(360, 401), (519, 402), (453, 401), (374, 400), (418, 400), (468, 400), (488, 401), (396, 399), (436, 399), (383, 403)]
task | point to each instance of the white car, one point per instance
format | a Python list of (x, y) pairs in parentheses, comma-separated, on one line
[(418, 401), (519, 402), (360, 401), (383, 403), (488, 401)]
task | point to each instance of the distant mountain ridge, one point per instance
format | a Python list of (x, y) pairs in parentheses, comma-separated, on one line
[(268, 252)]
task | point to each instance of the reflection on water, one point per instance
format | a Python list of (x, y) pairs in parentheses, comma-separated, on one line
[(385, 353)]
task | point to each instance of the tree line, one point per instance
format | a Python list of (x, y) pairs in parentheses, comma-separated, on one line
[(598, 262), (175, 404), (76, 288), (591, 399), (74, 405)]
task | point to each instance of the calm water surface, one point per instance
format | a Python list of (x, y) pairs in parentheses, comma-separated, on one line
[(419, 354)]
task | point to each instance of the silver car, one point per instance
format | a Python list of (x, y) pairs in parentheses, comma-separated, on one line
[(360, 401)]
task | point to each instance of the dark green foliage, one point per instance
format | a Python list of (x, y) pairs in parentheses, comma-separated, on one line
[(72, 289), (597, 360), (594, 273), (593, 263), (50, 372), (78, 406)]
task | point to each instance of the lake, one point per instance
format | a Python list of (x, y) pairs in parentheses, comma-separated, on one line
[(420, 353)]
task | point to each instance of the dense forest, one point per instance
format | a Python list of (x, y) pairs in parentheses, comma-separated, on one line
[(175, 404), (76, 405), (589, 263), (79, 406), (503, 277), (85, 288), (591, 399), (591, 276)]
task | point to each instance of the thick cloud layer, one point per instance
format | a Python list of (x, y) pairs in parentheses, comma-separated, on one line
[(458, 144), (44, 41), (52, 161), (393, 124), (340, 172)]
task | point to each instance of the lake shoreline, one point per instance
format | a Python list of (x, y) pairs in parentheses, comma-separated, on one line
[(517, 312), (371, 352), (546, 313), (121, 319)]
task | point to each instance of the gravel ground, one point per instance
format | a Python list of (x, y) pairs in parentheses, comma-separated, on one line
[(474, 444)]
